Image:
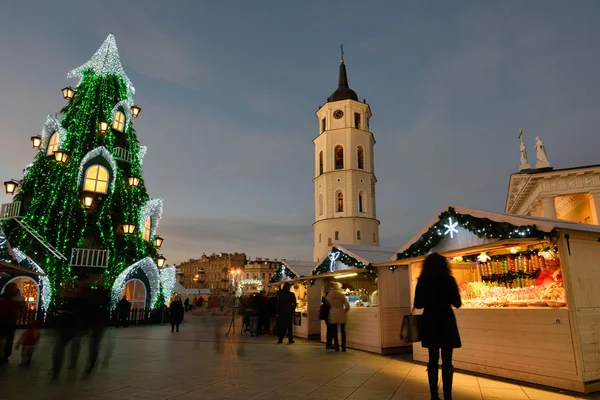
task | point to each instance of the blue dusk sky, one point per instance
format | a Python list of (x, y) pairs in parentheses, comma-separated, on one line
[(229, 91)]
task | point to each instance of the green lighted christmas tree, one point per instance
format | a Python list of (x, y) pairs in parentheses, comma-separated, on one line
[(84, 208)]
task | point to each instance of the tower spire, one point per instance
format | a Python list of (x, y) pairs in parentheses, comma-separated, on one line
[(343, 91), (105, 61)]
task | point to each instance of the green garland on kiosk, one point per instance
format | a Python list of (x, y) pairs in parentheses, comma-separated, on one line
[(482, 227), (282, 270), (344, 258)]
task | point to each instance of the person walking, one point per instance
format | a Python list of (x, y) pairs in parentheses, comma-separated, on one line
[(29, 339), (286, 305), (176, 313), (338, 307), (254, 314), (11, 306), (436, 293), (222, 302), (123, 307), (186, 304), (200, 302)]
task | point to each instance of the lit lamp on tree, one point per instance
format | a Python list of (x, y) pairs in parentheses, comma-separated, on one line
[(36, 142), (88, 200), (128, 228), (61, 156), (11, 186), (68, 93), (158, 242), (135, 111), (160, 261), (103, 127), (133, 181)]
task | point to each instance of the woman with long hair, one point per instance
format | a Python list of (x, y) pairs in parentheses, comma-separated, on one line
[(437, 292)]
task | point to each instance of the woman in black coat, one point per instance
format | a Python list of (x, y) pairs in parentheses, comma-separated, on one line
[(437, 292), (176, 313)]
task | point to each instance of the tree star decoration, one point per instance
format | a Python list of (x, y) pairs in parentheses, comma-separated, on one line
[(105, 61), (333, 258), (45, 291), (483, 257), (451, 228)]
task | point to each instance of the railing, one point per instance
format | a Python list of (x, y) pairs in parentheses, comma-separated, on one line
[(10, 210), (123, 154), (135, 316), (89, 258)]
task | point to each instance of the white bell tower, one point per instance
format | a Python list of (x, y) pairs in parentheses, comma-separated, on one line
[(344, 173)]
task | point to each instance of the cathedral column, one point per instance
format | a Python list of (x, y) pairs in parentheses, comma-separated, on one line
[(595, 206), (549, 207)]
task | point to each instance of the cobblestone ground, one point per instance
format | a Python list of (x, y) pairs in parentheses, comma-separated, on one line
[(201, 363)]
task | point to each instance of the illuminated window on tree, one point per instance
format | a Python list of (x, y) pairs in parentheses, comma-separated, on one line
[(340, 202), (360, 153), (96, 179), (147, 228), (53, 144), (135, 293), (339, 157), (119, 121)]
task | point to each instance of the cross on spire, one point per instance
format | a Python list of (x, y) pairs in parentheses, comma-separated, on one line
[(342, 50)]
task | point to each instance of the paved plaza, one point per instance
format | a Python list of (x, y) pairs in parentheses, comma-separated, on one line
[(201, 363)]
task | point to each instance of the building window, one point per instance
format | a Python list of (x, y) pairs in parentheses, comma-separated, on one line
[(319, 238), (321, 204), (53, 144), (357, 120), (321, 162), (96, 179), (337, 235), (374, 237), (360, 154), (147, 226), (339, 157), (323, 125), (361, 200), (119, 121), (340, 201), (358, 235)]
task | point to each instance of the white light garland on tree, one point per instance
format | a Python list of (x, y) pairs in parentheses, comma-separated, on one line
[(248, 282), (27, 169), (98, 152), (149, 268), (105, 61), (167, 281), (45, 292), (151, 209), (52, 125), (141, 153)]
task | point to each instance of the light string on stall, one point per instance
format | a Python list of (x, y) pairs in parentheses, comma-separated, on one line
[(282, 271), (482, 227), (343, 258)]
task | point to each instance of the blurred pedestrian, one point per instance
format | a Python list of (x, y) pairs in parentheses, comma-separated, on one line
[(338, 308), (123, 309), (254, 314), (222, 302), (286, 305), (28, 342), (186, 303), (175, 313), (437, 292), (200, 301), (96, 315), (11, 307), (324, 316), (69, 319)]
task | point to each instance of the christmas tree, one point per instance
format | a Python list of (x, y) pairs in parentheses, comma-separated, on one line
[(81, 207)]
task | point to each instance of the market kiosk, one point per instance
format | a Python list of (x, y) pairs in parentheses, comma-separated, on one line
[(306, 321), (530, 289), (378, 301)]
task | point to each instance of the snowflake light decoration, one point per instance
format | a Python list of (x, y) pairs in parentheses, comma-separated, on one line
[(105, 61), (451, 228), (45, 292)]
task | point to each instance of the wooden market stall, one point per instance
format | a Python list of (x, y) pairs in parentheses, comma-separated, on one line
[(296, 273), (531, 294), (378, 301)]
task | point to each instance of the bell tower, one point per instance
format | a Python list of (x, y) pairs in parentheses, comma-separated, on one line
[(344, 172)]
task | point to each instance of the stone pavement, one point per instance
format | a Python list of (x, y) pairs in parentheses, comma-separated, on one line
[(200, 363)]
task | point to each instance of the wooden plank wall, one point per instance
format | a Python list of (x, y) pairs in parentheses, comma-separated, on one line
[(581, 273), (362, 329), (394, 303), (533, 345), (314, 304)]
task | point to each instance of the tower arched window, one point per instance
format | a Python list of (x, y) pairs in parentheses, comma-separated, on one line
[(340, 201), (339, 157), (53, 144), (96, 179), (361, 201), (321, 204), (337, 235), (360, 155), (119, 121), (321, 162), (147, 229)]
